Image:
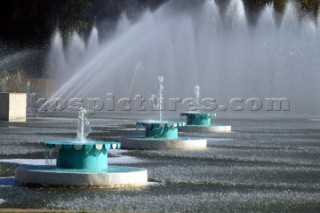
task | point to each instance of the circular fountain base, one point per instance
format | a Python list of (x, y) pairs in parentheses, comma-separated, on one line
[(113, 177), (160, 143), (205, 129)]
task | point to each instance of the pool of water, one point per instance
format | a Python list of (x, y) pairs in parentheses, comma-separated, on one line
[(263, 165)]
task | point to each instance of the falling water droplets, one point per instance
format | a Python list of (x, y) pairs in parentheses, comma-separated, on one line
[(93, 41), (76, 49), (123, 23), (196, 45), (235, 14), (56, 59)]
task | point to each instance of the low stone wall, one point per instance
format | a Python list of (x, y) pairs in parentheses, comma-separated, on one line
[(13, 107)]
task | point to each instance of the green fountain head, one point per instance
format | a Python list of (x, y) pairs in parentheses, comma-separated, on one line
[(82, 163), (82, 154), (161, 129), (90, 156), (199, 118)]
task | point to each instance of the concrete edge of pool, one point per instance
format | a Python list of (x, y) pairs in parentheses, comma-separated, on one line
[(162, 143), (113, 177), (205, 129)]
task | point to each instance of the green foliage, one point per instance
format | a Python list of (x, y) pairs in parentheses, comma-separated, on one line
[(310, 7), (31, 23), (18, 81), (279, 5), (72, 17), (305, 7), (253, 9)]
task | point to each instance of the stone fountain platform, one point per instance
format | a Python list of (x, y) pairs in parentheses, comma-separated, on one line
[(113, 177), (82, 164), (203, 129), (162, 135), (158, 143), (201, 122)]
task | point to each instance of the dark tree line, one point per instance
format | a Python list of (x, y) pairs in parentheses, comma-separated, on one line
[(305, 7), (30, 23)]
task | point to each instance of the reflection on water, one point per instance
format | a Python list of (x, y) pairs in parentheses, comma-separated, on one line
[(263, 165)]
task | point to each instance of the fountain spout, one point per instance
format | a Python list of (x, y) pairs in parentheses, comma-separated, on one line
[(196, 92), (84, 128), (160, 80)]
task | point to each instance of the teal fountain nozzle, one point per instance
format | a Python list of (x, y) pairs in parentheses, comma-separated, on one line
[(161, 129), (201, 121), (161, 134), (82, 163), (199, 118)]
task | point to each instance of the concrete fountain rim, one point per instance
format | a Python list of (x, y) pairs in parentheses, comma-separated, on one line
[(160, 122), (48, 176), (208, 114)]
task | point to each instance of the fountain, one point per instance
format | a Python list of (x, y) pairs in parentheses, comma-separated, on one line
[(82, 163), (269, 165), (198, 121), (162, 134)]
